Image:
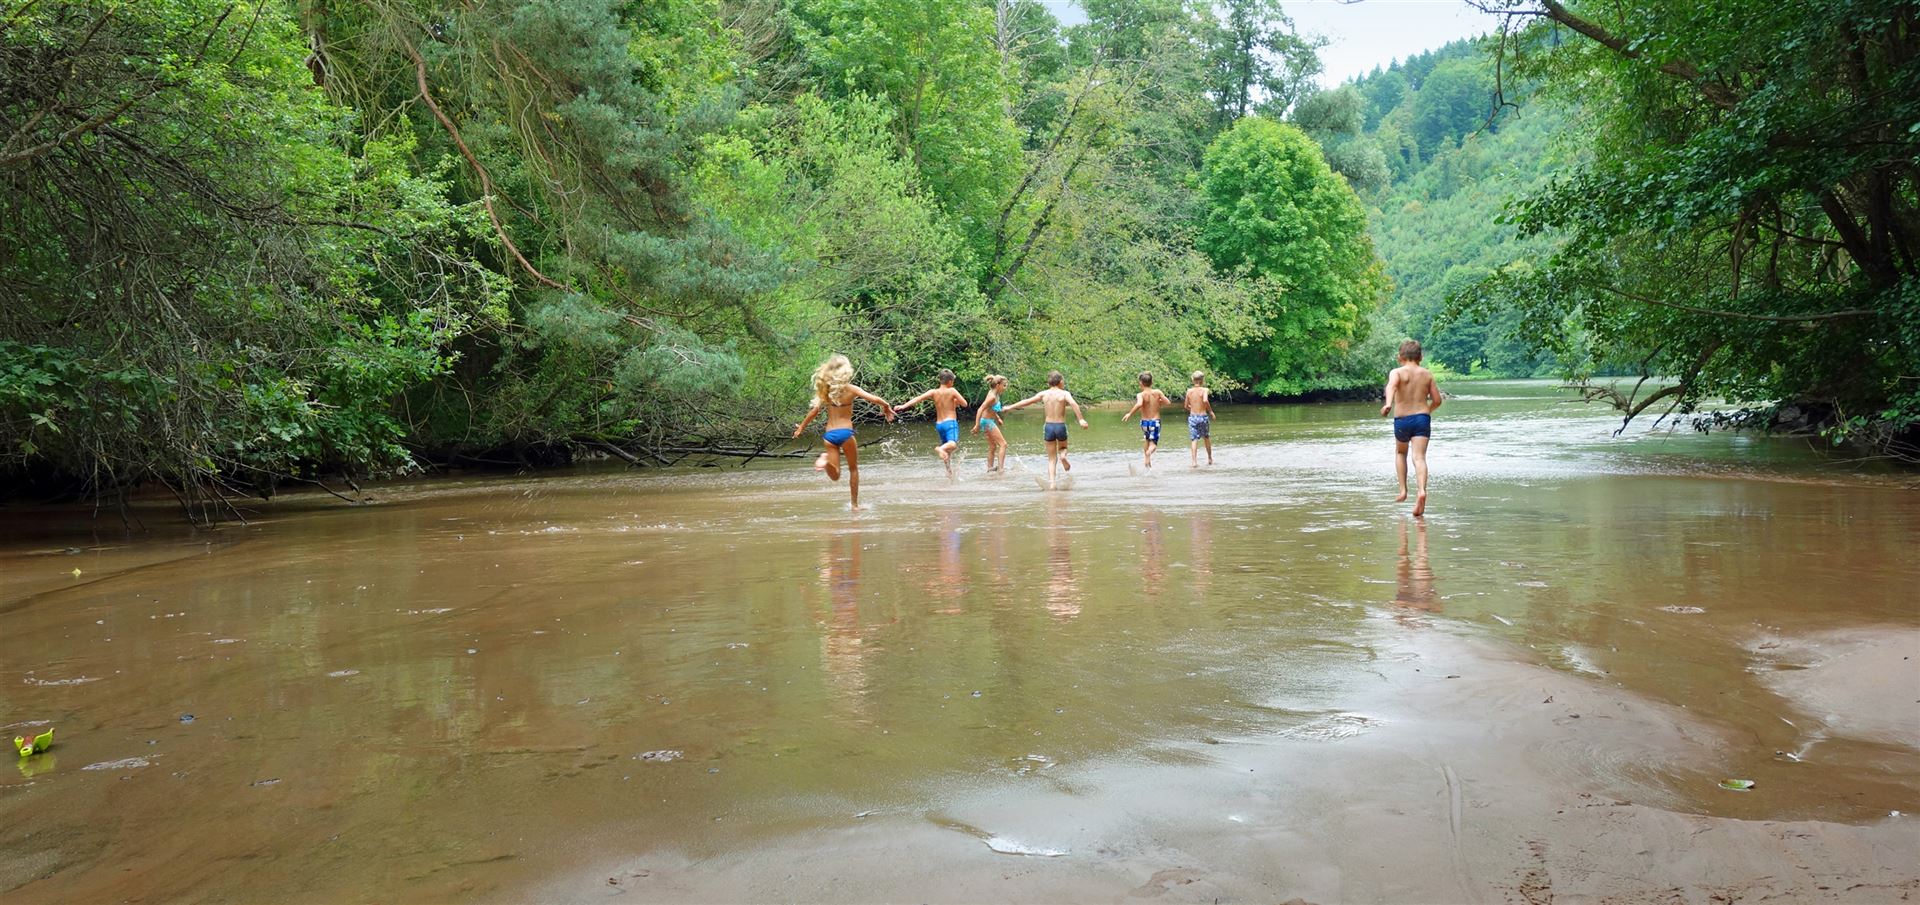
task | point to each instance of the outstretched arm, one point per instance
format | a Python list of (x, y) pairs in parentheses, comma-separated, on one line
[(1026, 402), (1077, 414), (1137, 401), (811, 414), (911, 402), (1393, 380), (882, 403)]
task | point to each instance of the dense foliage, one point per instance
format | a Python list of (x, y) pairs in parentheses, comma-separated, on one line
[(253, 240), (1277, 213), (245, 241), (1748, 222)]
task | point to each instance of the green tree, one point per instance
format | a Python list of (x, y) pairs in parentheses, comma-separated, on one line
[(1455, 100), (1749, 222), (1334, 119), (201, 284), (1278, 214), (937, 64), (1257, 60)]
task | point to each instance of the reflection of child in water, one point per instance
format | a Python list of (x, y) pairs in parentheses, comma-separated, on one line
[(1153, 561), (1415, 588), (843, 656), (949, 583), (1063, 589)]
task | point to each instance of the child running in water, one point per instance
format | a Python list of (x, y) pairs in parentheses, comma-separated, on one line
[(834, 391), (1412, 396), (1056, 401), (1148, 402), (996, 442), (947, 403), (1199, 403)]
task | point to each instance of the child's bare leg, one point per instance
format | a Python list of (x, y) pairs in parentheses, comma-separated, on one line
[(946, 456), (1420, 471), (1193, 452), (1209, 441), (1053, 460), (1063, 457), (1400, 470), (830, 462), (853, 471)]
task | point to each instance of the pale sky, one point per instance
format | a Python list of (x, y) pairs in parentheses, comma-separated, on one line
[(1366, 34)]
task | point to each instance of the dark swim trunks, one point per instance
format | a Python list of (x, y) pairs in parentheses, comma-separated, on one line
[(838, 435), (1055, 432), (1407, 427), (1150, 429)]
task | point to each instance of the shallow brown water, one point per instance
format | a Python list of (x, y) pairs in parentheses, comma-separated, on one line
[(479, 685)]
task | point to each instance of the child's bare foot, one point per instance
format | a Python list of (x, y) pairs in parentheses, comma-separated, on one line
[(1420, 505), (1066, 464), (820, 464), (1402, 497)]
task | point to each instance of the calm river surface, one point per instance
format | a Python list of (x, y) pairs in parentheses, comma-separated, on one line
[(718, 683)]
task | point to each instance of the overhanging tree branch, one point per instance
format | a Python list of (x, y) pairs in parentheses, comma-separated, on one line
[(486, 180)]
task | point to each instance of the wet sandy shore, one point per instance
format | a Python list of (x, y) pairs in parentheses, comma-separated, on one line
[(1474, 781)]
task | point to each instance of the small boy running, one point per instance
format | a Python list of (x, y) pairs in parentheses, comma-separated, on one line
[(834, 391), (1412, 396), (1199, 403), (947, 403), (1148, 402), (1057, 400)]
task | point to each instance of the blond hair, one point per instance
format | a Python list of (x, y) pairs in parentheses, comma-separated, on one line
[(1199, 376), (996, 380), (831, 379)]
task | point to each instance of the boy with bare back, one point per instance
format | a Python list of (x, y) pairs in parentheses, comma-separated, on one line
[(1199, 403), (1148, 402), (834, 391), (1055, 400), (947, 403), (1412, 396)]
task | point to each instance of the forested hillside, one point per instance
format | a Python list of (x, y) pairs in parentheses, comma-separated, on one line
[(252, 241), (1436, 168), (246, 241)]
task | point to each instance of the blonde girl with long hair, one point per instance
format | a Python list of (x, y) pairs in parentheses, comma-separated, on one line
[(988, 416), (833, 391)]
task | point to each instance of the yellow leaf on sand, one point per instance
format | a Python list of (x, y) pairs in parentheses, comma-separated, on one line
[(76, 573)]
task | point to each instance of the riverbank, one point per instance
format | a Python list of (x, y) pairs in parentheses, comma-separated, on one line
[(1462, 784)]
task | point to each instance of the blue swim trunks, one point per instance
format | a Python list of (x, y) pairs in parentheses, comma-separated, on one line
[(1407, 427), (1055, 432), (949, 430), (1150, 428), (1199, 427), (838, 435)]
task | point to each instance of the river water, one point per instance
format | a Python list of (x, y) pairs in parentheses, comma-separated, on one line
[(718, 683)]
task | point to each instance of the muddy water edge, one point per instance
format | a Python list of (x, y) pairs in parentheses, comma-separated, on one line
[(1254, 681)]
